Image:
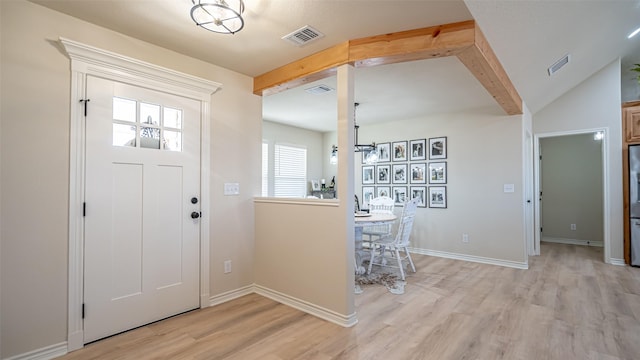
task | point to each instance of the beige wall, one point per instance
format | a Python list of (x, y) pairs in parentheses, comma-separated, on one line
[(595, 103), (484, 151), (35, 87), (571, 183), (275, 133)]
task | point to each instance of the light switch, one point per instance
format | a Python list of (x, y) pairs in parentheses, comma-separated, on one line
[(509, 188), (231, 189)]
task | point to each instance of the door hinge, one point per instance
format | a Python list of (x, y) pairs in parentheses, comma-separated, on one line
[(83, 310), (84, 209), (85, 101)]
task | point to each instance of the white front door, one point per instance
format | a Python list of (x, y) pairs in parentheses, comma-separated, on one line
[(142, 205)]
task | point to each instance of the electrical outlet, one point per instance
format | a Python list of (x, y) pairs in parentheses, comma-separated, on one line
[(573, 226), (227, 266), (465, 238)]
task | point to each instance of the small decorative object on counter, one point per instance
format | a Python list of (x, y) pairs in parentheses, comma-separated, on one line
[(333, 182)]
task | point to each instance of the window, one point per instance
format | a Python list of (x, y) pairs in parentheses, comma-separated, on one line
[(140, 124), (290, 171)]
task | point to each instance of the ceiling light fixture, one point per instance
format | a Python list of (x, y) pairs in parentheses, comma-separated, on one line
[(370, 149), (220, 16), (634, 33)]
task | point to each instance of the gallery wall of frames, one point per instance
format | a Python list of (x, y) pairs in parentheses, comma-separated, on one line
[(408, 169)]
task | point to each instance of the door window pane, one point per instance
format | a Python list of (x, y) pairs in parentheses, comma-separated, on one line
[(124, 109), (150, 114), (124, 135), (172, 140), (173, 118), (150, 138)]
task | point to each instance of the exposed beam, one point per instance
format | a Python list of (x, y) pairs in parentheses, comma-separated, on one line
[(462, 39), (419, 44), (485, 66)]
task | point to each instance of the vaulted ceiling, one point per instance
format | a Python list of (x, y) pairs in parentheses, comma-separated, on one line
[(526, 36)]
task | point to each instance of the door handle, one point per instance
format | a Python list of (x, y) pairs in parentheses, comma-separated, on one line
[(195, 215)]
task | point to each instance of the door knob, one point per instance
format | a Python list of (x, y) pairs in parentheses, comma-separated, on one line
[(195, 215)]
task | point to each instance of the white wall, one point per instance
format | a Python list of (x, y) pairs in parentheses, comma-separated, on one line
[(595, 103), (35, 88), (484, 153)]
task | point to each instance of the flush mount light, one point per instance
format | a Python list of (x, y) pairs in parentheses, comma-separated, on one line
[(220, 16), (634, 33)]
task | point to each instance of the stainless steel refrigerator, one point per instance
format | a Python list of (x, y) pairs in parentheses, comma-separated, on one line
[(634, 202)]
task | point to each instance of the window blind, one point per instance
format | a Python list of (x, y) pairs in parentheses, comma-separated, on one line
[(290, 171)]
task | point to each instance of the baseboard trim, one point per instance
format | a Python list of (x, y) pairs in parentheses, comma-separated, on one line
[(617, 262), (572, 241), (309, 308), (230, 295), (471, 258), (45, 353)]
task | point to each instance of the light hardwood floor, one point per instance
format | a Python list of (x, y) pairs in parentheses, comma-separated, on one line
[(568, 305)]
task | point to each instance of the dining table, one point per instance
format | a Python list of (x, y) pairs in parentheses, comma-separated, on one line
[(363, 219)]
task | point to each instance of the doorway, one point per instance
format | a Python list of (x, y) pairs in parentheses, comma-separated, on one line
[(571, 188), (88, 61)]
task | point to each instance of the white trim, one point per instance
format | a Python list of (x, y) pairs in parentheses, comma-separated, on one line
[(309, 308), (45, 353), (231, 295), (617, 262), (573, 241), (88, 60), (471, 258), (606, 196), (297, 201)]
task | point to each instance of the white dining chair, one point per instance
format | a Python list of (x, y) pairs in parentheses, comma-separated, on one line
[(396, 242), (378, 205)]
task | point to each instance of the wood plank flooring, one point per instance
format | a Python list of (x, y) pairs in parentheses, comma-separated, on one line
[(568, 305)]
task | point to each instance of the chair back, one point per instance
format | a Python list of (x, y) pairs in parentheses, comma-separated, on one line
[(381, 205), (406, 222)]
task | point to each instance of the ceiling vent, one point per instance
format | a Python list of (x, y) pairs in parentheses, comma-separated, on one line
[(558, 65), (303, 36), (320, 89)]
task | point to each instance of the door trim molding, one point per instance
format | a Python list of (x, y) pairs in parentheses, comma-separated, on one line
[(88, 60), (606, 196)]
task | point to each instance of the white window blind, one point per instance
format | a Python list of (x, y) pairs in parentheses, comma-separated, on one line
[(290, 171), (265, 169)]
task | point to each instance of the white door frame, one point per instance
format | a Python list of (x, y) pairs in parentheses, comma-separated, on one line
[(606, 221), (88, 60)]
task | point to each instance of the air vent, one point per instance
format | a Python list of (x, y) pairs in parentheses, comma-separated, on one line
[(320, 89), (558, 64), (303, 36)]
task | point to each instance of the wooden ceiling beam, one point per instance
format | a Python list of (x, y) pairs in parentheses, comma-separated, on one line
[(485, 66), (462, 39)]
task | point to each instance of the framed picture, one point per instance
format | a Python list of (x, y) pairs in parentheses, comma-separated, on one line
[(368, 175), (419, 192), (384, 152), (368, 193), (399, 150), (383, 191), (383, 175), (315, 185), (399, 195), (438, 148), (418, 173), (399, 172), (438, 197), (418, 149), (438, 172)]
